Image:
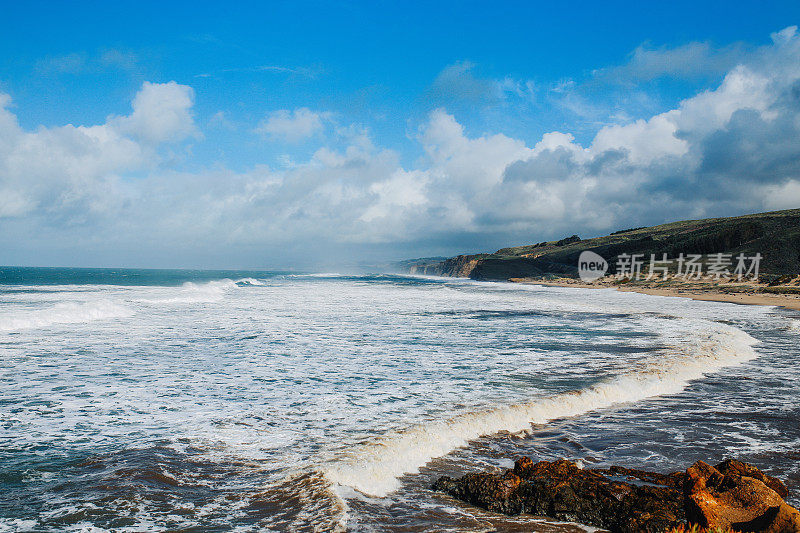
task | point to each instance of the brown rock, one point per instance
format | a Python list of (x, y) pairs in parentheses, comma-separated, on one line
[(490, 491), (733, 467), (624, 500), (787, 520), (734, 496)]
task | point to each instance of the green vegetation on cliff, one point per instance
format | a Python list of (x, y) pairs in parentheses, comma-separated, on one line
[(775, 235)]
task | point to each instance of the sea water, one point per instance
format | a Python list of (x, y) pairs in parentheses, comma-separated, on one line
[(135, 400)]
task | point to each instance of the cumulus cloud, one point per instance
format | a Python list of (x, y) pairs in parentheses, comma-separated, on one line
[(726, 150), (292, 126), (69, 172), (732, 149), (161, 112)]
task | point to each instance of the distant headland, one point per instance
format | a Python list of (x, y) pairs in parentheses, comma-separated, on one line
[(751, 259)]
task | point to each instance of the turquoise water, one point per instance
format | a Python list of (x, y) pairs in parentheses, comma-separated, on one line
[(38, 276), (234, 400)]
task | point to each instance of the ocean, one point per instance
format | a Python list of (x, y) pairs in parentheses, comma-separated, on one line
[(154, 400)]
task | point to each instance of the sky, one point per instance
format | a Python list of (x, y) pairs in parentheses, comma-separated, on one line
[(318, 135)]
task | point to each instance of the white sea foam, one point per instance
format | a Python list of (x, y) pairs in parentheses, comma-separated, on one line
[(316, 275), (16, 524), (281, 379), (189, 292), (63, 313), (374, 467), (250, 281)]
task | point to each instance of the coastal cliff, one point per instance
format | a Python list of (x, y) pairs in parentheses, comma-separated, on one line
[(461, 266), (774, 235)]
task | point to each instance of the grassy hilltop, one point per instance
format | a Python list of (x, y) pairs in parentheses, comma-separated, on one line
[(775, 235)]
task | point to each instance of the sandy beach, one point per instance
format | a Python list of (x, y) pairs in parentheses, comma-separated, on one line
[(745, 294)]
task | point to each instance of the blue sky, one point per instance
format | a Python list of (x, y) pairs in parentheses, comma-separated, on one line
[(310, 133)]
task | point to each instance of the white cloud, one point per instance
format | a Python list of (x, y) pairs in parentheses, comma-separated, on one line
[(13, 204), (742, 88), (783, 196), (67, 171), (732, 149), (471, 165), (643, 140), (162, 112), (292, 126), (402, 190)]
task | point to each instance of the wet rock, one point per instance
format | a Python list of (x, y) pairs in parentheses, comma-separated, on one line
[(490, 491), (622, 500), (734, 494)]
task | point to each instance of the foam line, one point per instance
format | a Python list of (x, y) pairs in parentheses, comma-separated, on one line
[(373, 468), (63, 313), (190, 292)]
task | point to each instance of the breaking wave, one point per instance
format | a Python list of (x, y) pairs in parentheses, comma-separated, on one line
[(100, 309), (190, 292), (315, 275), (244, 282), (374, 467), (63, 313)]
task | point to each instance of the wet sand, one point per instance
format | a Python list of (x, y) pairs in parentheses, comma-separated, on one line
[(789, 301)]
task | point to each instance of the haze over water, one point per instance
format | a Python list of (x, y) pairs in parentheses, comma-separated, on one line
[(251, 401)]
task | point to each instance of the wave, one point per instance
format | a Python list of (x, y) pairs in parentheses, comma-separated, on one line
[(321, 505), (374, 467), (12, 525), (316, 275), (64, 313), (249, 281), (77, 312), (190, 292)]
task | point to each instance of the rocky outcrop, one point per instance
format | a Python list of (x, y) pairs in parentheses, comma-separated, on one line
[(737, 496), (460, 266), (734, 495)]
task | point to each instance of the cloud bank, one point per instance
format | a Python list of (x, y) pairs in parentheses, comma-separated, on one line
[(732, 149)]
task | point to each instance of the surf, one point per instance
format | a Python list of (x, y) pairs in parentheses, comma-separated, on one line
[(64, 313), (374, 467)]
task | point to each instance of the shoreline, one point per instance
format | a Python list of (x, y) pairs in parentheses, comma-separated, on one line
[(786, 301)]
